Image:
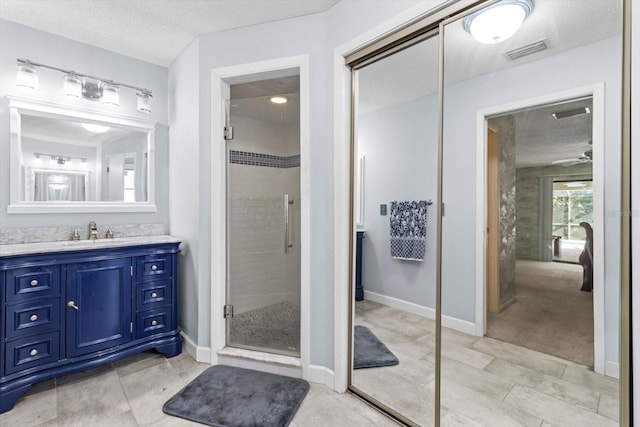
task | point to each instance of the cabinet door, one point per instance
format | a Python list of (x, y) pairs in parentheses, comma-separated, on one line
[(98, 305)]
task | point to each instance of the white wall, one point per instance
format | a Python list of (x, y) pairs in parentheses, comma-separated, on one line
[(184, 185), (599, 62), (400, 145), (18, 41)]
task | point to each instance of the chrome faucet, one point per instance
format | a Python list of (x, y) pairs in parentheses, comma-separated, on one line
[(93, 231)]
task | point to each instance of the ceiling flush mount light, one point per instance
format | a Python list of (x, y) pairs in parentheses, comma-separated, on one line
[(278, 100), (76, 85), (95, 128), (27, 76), (498, 22)]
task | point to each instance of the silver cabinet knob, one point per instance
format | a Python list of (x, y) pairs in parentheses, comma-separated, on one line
[(154, 295), (154, 267), (33, 352), (154, 323), (33, 317), (72, 304), (34, 282)]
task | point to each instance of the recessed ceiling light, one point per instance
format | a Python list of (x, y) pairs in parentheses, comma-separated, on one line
[(278, 99), (95, 128)]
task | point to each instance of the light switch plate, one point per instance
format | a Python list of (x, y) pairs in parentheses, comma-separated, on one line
[(383, 209)]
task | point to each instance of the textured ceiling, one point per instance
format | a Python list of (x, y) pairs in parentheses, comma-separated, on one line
[(253, 100), (541, 139), (155, 31)]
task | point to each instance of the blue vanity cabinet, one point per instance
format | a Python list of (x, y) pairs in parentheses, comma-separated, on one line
[(98, 307), (63, 312)]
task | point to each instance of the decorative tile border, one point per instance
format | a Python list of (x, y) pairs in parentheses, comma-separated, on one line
[(266, 160)]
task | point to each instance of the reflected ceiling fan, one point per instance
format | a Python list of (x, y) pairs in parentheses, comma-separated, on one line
[(586, 157)]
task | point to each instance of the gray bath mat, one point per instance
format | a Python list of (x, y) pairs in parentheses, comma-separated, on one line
[(225, 396), (369, 351)]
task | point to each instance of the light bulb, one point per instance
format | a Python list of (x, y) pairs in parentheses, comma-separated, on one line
[(144, 102), (72, 86), (27, 77), (110, 94)]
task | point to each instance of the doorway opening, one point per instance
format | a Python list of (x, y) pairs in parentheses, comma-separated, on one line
[(540, 209), (262, 308)]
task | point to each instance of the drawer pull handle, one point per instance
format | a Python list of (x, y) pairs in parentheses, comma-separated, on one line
[(33, 317), (154, 267), (154, 323), (33, 352), (34, 282), (72, 304), (154, 295)]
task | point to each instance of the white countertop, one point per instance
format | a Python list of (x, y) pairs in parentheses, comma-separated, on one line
[(81, 245)]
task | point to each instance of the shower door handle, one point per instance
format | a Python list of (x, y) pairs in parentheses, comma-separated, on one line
[(287, 202)]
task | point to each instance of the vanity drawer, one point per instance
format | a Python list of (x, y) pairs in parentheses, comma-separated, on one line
[(153, 322), (153, 294), (32, 282), (33, 351), (153, 267), (33, 317)]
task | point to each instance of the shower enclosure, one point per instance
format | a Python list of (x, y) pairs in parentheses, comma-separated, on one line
[(263, 217)]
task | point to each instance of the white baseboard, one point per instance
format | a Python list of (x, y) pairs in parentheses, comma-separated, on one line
[(420, 310), (200, 354), (612, 369), (321, 375)]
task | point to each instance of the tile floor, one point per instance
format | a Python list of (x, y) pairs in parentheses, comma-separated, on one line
[(131, 392), (484, 381)]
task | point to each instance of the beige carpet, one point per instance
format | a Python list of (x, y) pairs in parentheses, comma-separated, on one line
[(551, 314)]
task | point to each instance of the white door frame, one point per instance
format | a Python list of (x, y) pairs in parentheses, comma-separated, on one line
[(597, 92), (220, 80)]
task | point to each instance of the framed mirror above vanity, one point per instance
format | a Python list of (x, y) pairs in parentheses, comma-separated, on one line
[(66, 159)]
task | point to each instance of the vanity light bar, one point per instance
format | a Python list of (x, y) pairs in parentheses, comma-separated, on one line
[(60, 159), (76, 85)]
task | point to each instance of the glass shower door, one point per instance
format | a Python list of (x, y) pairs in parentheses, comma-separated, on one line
[(263, 233)]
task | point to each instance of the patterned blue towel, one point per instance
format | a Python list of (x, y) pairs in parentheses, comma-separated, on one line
[(408, 229)]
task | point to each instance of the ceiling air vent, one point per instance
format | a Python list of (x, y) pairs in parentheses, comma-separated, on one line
[(571, 113), (527, 49)]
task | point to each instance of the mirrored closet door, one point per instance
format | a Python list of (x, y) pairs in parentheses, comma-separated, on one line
[(396, 152), (530, 264)]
